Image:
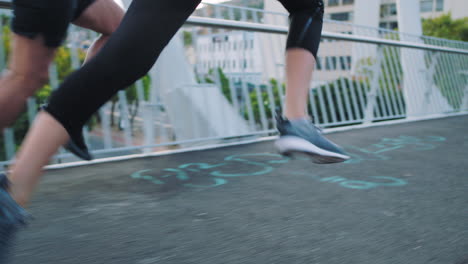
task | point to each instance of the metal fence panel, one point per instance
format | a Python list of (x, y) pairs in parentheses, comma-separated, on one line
[(238, 53)]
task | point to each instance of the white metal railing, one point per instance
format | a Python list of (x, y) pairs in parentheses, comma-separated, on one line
[(249, 26), (362, 76)]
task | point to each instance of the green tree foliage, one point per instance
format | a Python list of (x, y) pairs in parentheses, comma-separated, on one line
[(446, 27), (188, 38), (353, 92), (324, 101), (264, 100), (217, 76), (132, 99), (455, 29), (6, 36)]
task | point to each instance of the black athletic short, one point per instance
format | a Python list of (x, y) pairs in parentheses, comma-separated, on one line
[(49, 18)]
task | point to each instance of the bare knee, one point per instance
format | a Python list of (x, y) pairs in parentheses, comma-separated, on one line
[(24, 83), (113, 22), (103, 16), (109, 25)]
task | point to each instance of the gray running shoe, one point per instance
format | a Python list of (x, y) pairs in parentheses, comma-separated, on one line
[(303, 136), (12, 217)]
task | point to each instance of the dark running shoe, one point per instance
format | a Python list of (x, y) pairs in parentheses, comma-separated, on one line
[(12, 217), (303, 136), (77, 146)]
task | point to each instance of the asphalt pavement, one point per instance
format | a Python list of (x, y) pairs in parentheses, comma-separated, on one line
[(402, 198)]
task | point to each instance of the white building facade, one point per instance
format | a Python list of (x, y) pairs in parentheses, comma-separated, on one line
[(233, 51), (345, 10)]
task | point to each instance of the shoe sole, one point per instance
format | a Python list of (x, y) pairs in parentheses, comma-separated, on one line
[(75, 150), (287, 145)]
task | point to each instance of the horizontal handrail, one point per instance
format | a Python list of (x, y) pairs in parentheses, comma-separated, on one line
[(5, 4), (238, 25), (257, 27)]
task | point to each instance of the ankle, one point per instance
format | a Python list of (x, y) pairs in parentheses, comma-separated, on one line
[(296, 117), (20, 197), (16, 194)]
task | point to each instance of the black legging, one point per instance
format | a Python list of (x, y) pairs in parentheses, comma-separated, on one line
[(133, 49)]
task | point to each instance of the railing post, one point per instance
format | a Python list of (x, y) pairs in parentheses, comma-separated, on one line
[(372, 94), (464, 105), (148, 125), (125, 118), (9, 137), (104, 112)]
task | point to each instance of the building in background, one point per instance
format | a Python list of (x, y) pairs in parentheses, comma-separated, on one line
[(344, 10), (335, 58), (235, 52)]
